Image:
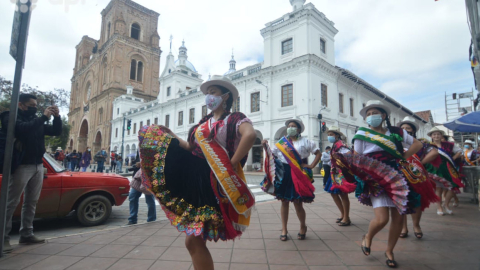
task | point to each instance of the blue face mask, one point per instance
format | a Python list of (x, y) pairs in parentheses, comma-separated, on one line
[(374, 120), (467, 146), (331, 139)]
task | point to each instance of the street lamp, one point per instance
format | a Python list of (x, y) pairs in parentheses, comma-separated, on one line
[(260, 82)]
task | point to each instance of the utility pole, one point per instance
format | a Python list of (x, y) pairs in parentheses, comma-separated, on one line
[(18, 47), (319, 116), (123, 138)]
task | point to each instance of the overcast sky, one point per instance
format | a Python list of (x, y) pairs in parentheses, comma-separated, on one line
[(414, 50)]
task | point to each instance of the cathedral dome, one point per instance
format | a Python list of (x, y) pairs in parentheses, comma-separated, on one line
[(188, 64)]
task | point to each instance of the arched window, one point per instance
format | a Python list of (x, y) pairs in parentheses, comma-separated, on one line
[(133, 69), (136, 70), (140, 71), (100, 115), (135, 31)]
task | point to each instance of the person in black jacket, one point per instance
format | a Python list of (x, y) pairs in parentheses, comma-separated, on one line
[(30, 132)]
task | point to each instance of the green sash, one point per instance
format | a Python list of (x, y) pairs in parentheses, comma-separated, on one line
[(387, 143)]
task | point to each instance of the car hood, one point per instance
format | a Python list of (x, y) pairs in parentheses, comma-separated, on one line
[(93, 179)]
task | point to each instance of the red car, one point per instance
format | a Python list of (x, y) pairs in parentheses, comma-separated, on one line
[(91, 195)]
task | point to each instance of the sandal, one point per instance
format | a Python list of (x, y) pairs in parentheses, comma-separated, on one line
[(365, 249), (391, 263), (283, 237), (338, 220), (404, 235), (348, 223), (302, 236), (418, 235)]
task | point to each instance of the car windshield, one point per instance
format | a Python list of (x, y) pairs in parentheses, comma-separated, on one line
[(55, 165)]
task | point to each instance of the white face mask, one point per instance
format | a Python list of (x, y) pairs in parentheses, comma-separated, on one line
[(213, 102), (292, 131)]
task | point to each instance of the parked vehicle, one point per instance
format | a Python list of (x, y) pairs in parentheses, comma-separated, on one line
[(90, 195)]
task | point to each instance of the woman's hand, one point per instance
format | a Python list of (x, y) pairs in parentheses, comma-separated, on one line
[(234, 165), (307, 166), (167, 130), (264, 142)]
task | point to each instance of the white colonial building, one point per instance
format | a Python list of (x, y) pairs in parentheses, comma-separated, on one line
[(297, 78)]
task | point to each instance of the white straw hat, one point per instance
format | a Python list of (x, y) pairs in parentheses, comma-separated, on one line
[(335, 129), (409, 120), (296, 120), (469, 142), (435, 129), (221, 81), (374, 104)]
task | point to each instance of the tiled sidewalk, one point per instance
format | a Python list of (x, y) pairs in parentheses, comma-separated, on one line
[(450, 242)]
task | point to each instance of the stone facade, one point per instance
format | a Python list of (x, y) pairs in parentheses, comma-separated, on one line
[(127, 53)]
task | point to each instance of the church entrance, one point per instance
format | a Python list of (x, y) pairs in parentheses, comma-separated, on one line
[(97, 145), (83, 137)]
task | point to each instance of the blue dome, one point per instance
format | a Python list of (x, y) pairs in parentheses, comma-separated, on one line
[(188, 64), (229, 72)]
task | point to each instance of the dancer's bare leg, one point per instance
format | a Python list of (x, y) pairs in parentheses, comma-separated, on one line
[(302, 216), (376, 224), (439, 193), (394, 232), (346, 207), (284, 215), (338, 202), (201, 257), (416, 220)]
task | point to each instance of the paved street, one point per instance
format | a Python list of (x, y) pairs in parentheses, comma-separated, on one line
[(450, 242), (49, 228)]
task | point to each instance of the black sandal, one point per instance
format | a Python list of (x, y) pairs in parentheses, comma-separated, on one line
[(348, 223), (418, 235), (339, 220), (365, 249), (391, 263), (404, 235), (283, 237), (302, 236)]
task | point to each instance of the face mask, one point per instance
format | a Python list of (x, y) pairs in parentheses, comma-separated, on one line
[(88, 150), (375, 120), (291, 131), (331, 139), (467, 146), (30, 111), (213, 102)]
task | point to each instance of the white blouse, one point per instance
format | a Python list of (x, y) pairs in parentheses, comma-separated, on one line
[(363, 147), (304, 147)]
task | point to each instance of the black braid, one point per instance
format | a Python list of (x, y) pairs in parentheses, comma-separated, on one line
[(398, 144)]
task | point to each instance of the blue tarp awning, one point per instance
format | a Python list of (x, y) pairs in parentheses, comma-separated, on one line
[(467, 123)]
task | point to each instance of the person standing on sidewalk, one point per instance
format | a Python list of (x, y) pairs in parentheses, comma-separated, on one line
[(135, 192), (100, 158), (119, 163), (327, 164), (86, 159), (74, 159), (30, 131), (113, 161)]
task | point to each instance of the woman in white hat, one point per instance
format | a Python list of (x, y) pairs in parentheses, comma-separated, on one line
[(426, 189), (444, 167), (335, 185), (378, 166), (296, 186), (200, 182), (470, 155)]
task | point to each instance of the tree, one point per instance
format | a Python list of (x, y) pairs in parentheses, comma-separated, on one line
[(59, 141)]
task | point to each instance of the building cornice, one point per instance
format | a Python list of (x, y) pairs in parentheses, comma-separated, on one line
[(130, 4)]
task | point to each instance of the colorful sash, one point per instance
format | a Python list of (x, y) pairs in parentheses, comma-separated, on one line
[(229, 185), (338, 179), (383, 141), (302, 177), (267, 184), (468, 159)]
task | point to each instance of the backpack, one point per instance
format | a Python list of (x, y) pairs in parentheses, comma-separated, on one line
[(61, 156)]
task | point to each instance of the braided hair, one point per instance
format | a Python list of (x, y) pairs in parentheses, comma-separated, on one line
[(228, 106), (398, 144)]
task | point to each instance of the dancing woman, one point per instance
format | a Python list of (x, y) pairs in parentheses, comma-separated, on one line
[(294, 182), (200, 182), (426, 155), (379, 167), (444, 166), (335, 185)]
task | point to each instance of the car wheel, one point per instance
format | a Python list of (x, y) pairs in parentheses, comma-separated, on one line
[(94, 210)]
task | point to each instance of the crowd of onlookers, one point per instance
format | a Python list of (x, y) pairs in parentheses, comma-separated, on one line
[(78, 161)]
